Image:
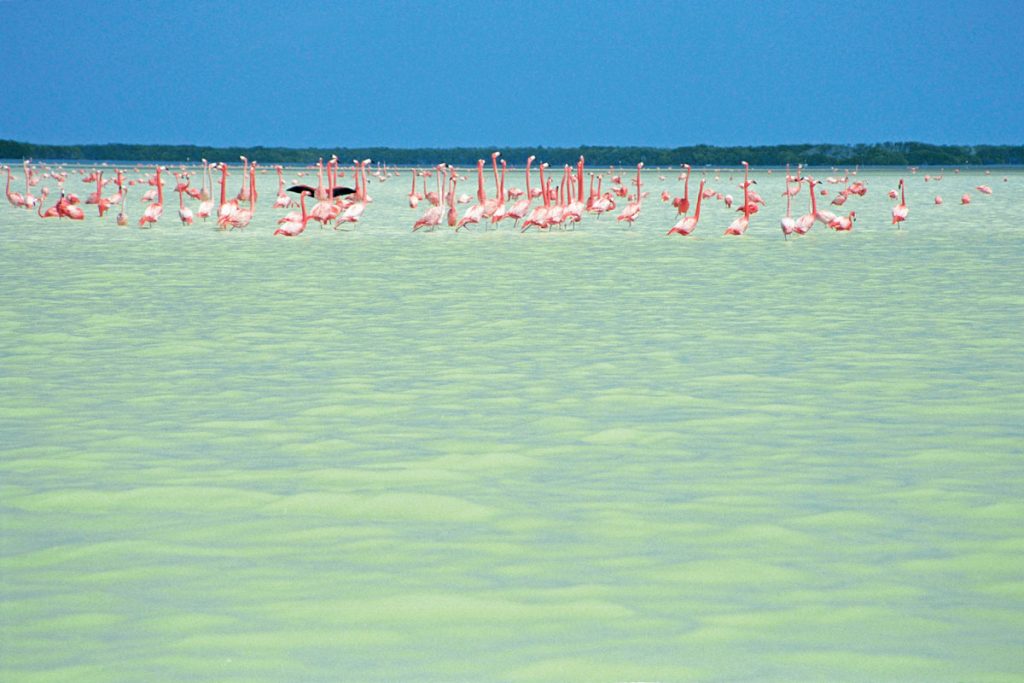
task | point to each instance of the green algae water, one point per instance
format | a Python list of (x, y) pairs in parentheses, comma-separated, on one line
[(598, 455)]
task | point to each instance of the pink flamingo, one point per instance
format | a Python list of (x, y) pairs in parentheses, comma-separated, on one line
[(414, 199), (184, 213), (843, 223), (354, 211), (538, 216), (49, 213), (432, 218), (206, 205), (476, 212), (632, 210), (938, 200), (518, 210), (16, 199), (241, 218), (122, 217), (787, 223), (965, 198), (686, 225), (283, 201), (739, 226), (900, 211), (292, 228), (491, 205), (155, 210), (806, 222), (682, 204)]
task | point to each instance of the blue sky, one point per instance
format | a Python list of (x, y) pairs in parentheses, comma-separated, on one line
[(418, 74)]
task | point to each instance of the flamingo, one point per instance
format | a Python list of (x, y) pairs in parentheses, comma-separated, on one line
[(491, 204), (964, 199), (353, 212), (184, 213), (292, 228), (518, 210), (806, 222), (283, 201), (476, 212), (122, 217), (687, 224), (984, 189), (900, 211), (241, 218), (538, 216), (739, 226), (432, 218), (65, 209), (843, 223), (155, 210), (453, 216), (682, 204), (632, 210), (16, 199), (938, 199), (414, 199), (787, 223), (206, 205), (227, 208), (49, 213)]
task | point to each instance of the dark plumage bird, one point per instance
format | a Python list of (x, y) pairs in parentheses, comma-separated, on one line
[(338, 191)]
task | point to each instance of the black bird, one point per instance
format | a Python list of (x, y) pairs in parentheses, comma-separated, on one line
[(338, 191)]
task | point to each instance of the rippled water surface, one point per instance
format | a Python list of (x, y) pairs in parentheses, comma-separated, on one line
[(598, 455)]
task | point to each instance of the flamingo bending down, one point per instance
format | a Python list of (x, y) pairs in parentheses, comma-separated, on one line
[(687, 224)]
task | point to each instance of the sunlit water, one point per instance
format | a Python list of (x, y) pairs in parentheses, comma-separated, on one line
[(600, 455)]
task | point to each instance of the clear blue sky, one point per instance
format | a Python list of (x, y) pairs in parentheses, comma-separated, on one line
[(419, 74)]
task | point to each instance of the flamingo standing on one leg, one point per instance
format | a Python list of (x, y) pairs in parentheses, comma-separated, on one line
[(687, 224), (156, 209), (900, 211)]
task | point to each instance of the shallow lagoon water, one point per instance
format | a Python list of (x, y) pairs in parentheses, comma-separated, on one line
[(600, 455)]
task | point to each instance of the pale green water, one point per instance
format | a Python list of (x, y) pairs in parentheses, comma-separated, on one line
[(598, 456)]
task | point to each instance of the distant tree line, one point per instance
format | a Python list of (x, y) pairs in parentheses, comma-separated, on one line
[(877, 154)]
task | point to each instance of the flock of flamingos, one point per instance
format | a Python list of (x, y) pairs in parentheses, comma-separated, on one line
[(558, 202)]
